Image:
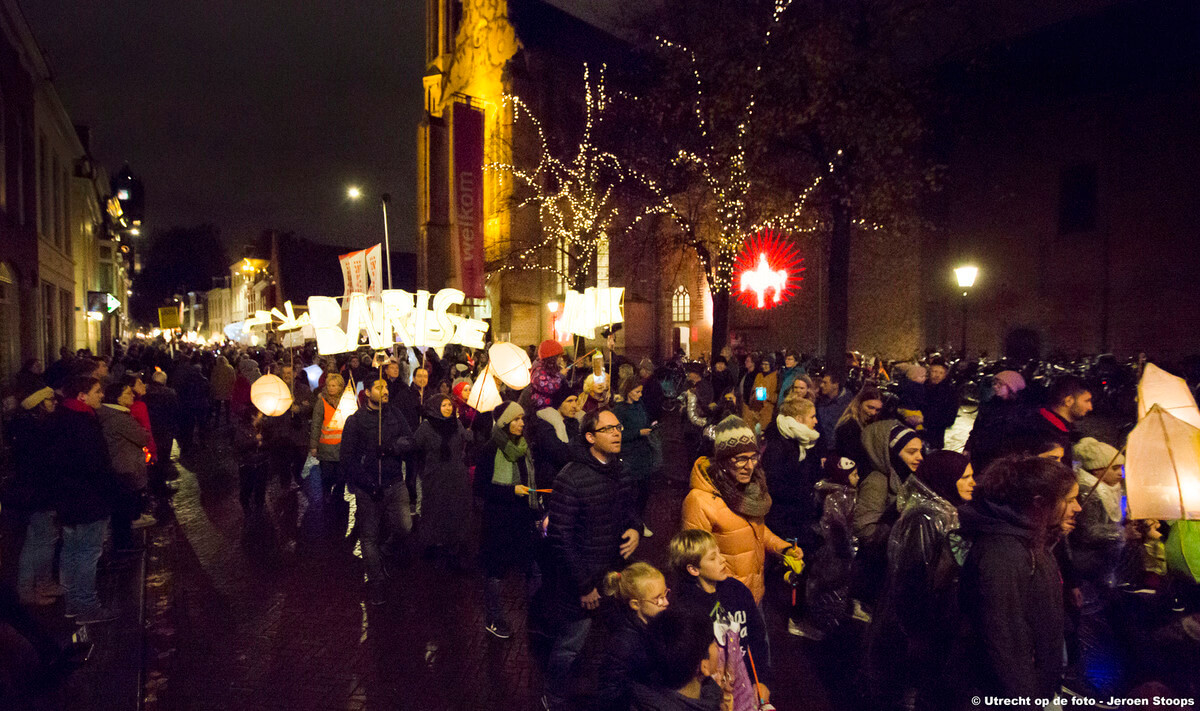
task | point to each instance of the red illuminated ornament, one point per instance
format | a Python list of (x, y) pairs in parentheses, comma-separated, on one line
[(767, 271)]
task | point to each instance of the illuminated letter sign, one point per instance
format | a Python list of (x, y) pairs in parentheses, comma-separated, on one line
[(396, 317)]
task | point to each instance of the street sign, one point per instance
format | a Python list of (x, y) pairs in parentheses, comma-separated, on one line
[(170, 317)]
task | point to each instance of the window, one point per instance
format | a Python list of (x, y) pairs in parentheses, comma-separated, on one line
[(681, 306), (55, 222), (1077, 202), (66, 315), (43, 193), (49, 311)]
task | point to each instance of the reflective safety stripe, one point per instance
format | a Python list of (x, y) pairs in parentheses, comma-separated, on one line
[(329, 435)]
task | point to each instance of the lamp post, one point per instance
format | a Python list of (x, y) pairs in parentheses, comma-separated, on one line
[(355, 193), (966, 279)]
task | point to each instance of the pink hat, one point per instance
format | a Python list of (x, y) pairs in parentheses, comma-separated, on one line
[(1012, 379)]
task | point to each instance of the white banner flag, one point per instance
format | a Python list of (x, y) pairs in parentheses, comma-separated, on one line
[(374, 257), (354, 271)]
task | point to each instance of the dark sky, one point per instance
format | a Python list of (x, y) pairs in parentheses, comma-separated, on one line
[(251, 113)]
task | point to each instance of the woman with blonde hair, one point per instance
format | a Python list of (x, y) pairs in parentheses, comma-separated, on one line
[(642, 593), (847, 435)]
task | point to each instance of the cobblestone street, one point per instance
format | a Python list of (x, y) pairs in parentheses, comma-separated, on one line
[(236, 620)]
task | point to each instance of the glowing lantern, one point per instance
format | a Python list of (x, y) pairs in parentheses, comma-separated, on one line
[(1162, 468), (767, 272), (270, 395), (511, 364), (347, 406), (1158, 387), (313, 373), (485, 396)]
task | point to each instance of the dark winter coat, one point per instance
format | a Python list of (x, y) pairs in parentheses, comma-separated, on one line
[(657, 698), (791, 483), (732, 602), (78, 457), (636, 450), (125, 439), (941, 405), (626, 660), (829, 411), (550, 452), (1011, 597), (361, 463), (162, 403), (590, 510), (653, 398), (506, 531), (445, 482), (996, 423), (31, 488)]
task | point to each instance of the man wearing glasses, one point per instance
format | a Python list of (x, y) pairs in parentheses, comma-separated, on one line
[(593, 527)]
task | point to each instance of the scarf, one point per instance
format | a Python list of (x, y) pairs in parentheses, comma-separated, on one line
[(77, 405), (555, 418), (444, 427), (750, 500), (509, 453), (118, 408), (791, 428)]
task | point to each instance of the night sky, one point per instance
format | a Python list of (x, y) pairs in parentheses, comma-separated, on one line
[(250, 115)]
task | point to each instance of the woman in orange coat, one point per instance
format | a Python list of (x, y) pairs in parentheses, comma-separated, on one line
[(729, 498)]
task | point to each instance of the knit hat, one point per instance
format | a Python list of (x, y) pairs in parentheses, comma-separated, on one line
[(36, 397), (1012, 379), (549, 348), (1094, 454), (731, 437), (560, 396), (646, 364), (509, 411), (898, 437)]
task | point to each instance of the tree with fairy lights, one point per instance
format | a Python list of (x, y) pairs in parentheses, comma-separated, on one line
[(578, 197), (813, 104)]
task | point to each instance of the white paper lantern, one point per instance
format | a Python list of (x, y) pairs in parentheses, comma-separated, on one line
[(1162, 467), (485, 396), (347, 406), (511, 364), (1171, 393), (270, 395), (313, 373)]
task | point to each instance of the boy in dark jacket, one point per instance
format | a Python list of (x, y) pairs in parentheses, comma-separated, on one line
[(705, 585), (373, 441), (86, 491), (687, 658)]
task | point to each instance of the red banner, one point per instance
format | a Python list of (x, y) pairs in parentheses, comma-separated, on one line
[(468, 196)]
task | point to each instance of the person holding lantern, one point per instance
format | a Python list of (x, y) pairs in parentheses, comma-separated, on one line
[(597, 390), (325, 436), (373, 441)]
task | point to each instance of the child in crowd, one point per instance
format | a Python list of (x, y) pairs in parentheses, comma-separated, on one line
[(642, 593), (829, 574), (706, 585), (690, 669)]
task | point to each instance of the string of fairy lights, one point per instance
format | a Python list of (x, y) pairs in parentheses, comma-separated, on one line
[(574, 197)]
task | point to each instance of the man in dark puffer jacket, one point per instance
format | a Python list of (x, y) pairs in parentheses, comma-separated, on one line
[(592, 528)]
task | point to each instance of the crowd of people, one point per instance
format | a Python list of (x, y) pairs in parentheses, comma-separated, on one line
[(1008, 569)]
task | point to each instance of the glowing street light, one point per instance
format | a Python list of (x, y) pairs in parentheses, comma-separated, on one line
[(965, 275), (353, 192)]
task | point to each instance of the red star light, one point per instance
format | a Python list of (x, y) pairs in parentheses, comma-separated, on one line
[(767, 272)]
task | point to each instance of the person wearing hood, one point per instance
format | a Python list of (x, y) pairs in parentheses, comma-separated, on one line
[(788, 374), (652, 390), (895, 453), (220, 388), (551, 432), (592, 529), (730, 499), (636, 450), (1010, 590), (506, 480), (1097, 547), (759, 410), (127, 442), (792, 470), (374, 439), (915, 621), (830, 572), (445, 483)]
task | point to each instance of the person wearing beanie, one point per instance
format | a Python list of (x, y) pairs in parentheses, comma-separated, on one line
[(729, 498), (895, 453), (908, 642), (548, 374), (30, 491), (1000, 418), (551, 431), (652, 390), (1097, 549), (506, 480)]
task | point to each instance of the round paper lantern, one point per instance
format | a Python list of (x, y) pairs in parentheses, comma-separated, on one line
[(270, 395), (511, 364)]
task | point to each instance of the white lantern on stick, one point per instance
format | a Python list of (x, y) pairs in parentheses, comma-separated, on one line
[(485, 396), (511, 364), (1162, 468), (347, 406), (270, 395), (1158, 387)]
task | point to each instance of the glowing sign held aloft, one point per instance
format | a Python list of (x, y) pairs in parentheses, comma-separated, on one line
[(767, 272), (397, 316), (595, 307)]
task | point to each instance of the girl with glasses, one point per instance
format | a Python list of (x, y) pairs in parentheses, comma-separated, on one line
[(642, 592)]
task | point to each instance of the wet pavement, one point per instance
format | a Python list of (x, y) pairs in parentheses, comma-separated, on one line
[(238, 619)]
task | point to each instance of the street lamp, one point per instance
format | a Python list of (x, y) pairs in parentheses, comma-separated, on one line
[(966, 279), (355, 193)]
